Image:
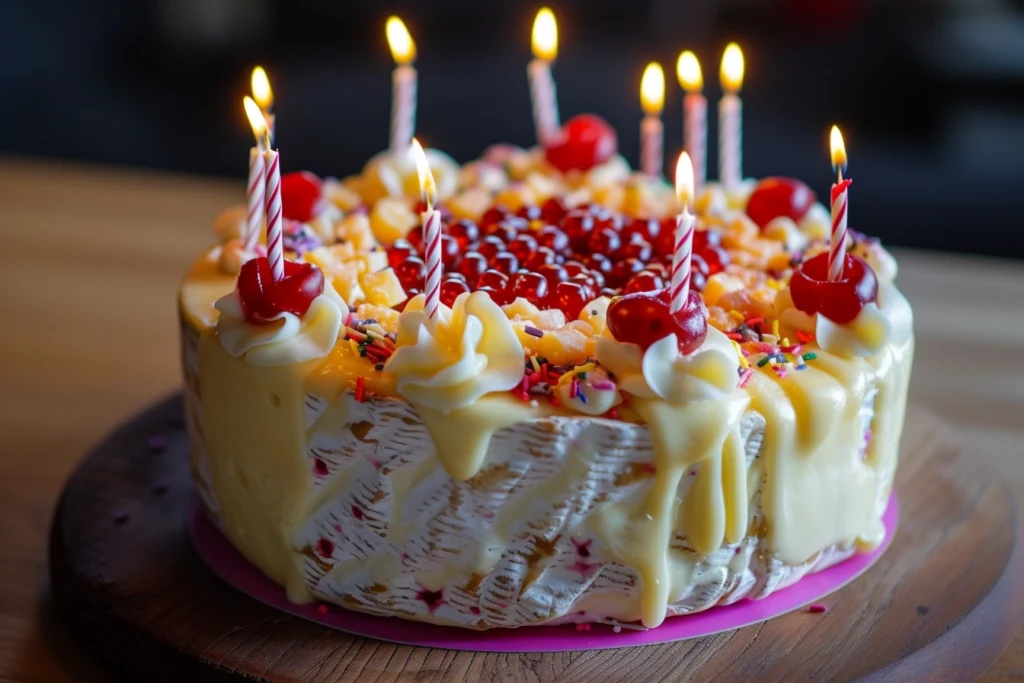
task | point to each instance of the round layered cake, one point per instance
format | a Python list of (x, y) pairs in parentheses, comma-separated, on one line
[(554, 444)]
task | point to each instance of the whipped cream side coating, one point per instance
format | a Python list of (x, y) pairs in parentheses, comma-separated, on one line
[(710, 372), (289, 339), (468, 351)]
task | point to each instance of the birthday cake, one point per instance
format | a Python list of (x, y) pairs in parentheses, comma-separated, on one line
[(499, 408)]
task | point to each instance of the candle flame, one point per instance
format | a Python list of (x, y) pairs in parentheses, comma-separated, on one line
[(732, 68), (688, 71), (684, 179), (257, 121), (427, 187), (403, 49), (838, 149), (261, 91), (652, 89), (545, 35)]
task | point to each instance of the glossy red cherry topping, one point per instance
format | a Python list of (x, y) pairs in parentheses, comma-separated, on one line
[(642, 318), (262, 298), (585, 141), (776, 197), (300, 195), (839, 301)]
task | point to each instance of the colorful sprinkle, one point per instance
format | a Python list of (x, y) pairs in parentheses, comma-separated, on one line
[(817, 608), (360, 388), (810, 356), (764, 361), (745, 377), (533, 331), (775, 329), (603, 385), (804, 337)]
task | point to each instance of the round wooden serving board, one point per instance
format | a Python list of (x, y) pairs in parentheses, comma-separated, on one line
[(939, 605)]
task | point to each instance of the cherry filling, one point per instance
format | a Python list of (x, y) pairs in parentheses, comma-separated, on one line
[(643, 318), (585, 141), (554, 257), (262, 299), (840, 301)]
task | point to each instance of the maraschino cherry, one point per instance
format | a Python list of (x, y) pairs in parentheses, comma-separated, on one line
[(840, 301), (585, 141), (300, 195), (262, 298), (642, 318), (776, 197)]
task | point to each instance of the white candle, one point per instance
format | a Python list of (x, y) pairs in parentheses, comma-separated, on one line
[(695, 117), (264, 97), (682, 254), (431, 232), (403, 86), (840, 197), (542, 84), (730, 119), (652, 133)]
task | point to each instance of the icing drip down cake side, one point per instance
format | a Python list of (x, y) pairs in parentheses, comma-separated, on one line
[(553, 444)]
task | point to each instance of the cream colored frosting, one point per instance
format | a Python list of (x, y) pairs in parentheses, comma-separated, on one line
[(469, 351), (663, 372), (289, 339), (878, 324)]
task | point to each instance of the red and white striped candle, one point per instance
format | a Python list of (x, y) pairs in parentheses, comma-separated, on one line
[(682, 254), (652, 133), (275, 218), (544, 42), (404, 83), (257, 173), (840, 202), (695, 117), (431, 232), (256, 186)]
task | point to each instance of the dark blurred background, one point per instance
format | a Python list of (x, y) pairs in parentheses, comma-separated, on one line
[(929, 93)]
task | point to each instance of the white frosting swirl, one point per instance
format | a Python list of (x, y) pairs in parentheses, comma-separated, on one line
[(289, 339), (468, 351), (709, 372), (888, 319)]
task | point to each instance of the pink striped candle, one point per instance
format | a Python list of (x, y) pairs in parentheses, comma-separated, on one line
[(730, 119), (275, 219), (544, 42), (682, 254), (652, 134), (404, 82), (256, 186), (840, 200), (695, 116), (431, 232)]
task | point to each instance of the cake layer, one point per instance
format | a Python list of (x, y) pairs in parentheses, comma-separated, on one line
[(568, 518)]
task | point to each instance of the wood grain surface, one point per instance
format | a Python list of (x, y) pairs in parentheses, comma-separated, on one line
[(935, 607), (90, 260)]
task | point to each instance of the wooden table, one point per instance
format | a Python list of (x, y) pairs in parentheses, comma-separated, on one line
[(90, 260)]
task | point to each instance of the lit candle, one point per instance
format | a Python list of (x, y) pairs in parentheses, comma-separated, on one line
[(264, 97), (257, 181), (652, 133), (272, 191), (431, 231), (695, 113), (840, 193), (403, 84), (682, 254), (542, 85), (730, 119)]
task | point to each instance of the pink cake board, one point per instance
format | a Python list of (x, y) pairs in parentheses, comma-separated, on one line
[(230, 566)]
